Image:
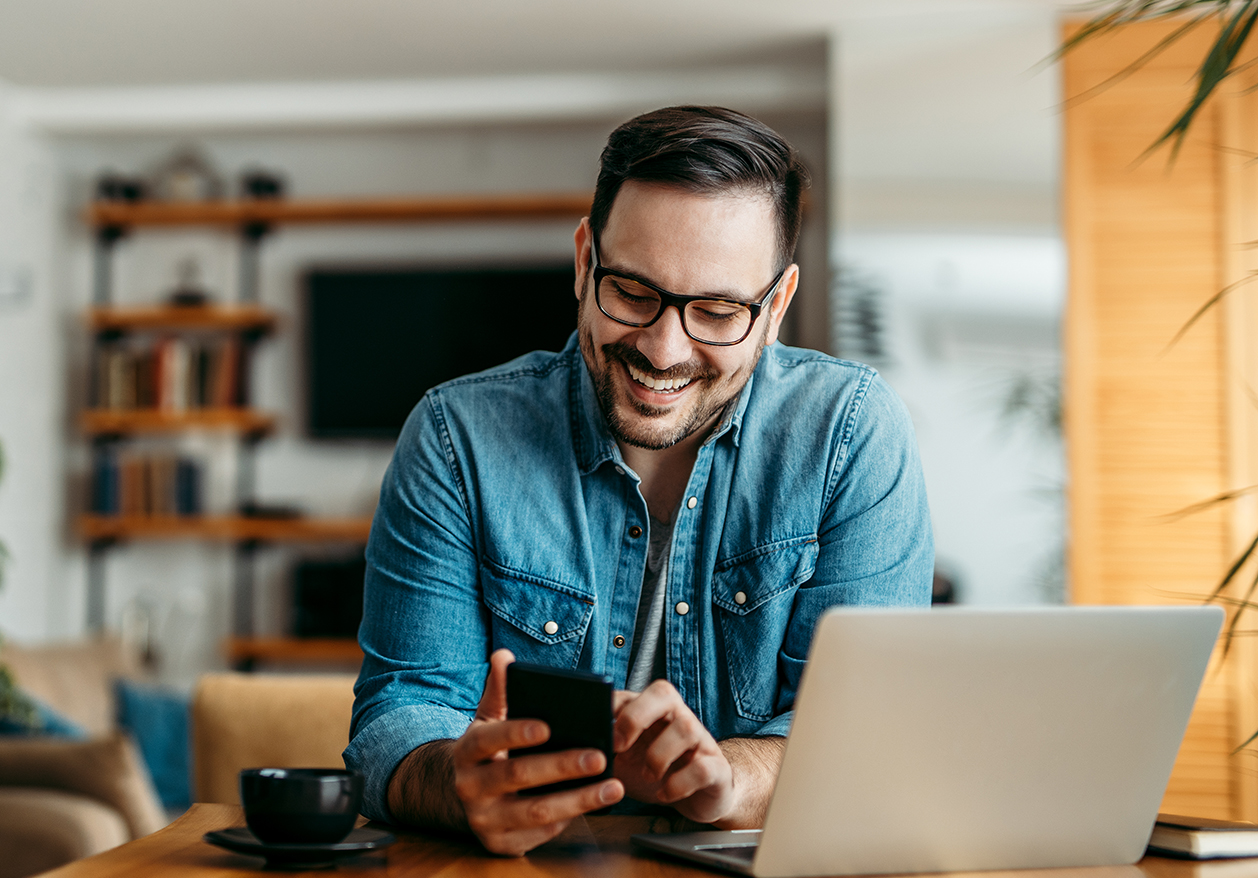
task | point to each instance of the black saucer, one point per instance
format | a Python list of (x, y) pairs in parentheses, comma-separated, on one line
[(299, 856)]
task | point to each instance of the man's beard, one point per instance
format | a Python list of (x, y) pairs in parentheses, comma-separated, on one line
[(655, 437)]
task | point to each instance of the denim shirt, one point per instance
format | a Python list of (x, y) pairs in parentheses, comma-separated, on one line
[(508, 518)]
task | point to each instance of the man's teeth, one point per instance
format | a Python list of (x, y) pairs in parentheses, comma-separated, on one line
[(662, 384)]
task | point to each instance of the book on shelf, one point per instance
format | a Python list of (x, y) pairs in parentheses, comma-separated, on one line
[(146, 485), (173, 374), (1202, 838)]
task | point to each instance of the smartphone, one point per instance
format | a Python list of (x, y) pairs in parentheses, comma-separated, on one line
[(575, 704)]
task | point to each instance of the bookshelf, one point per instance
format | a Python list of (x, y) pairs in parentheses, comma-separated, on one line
[(344, 211), (226, 528), (110, 425), (220, 318), (135, 422)]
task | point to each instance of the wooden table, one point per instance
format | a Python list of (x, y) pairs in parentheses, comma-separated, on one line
[(595, 846)]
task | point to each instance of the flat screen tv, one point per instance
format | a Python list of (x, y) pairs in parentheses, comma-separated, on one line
[(377, 339)]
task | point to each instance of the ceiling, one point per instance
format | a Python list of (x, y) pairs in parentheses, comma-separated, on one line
[(79, 43)]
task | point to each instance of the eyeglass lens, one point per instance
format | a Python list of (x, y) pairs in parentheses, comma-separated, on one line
[(710, 320)]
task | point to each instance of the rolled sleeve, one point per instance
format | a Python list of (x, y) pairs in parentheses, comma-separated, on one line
[(380, 745), (423, 634)]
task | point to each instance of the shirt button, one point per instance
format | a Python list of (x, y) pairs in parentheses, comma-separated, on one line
[(692, 502), (740, 598), (551, 627), (618, 641), (682, 608), (620, 471), (635, 531)]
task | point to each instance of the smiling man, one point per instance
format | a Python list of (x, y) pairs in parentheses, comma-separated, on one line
[(672, 500)]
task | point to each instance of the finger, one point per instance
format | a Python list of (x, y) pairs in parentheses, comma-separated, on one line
[(693, 773), (656, 702), (484, 740), (516, 843), (683, 735), (493, 701), (620, 698), (529, 812), (525, 772)]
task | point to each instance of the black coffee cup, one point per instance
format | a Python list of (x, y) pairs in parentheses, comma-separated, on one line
[(300, 805)]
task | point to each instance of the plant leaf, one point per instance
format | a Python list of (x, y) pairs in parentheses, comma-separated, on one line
[(1206, 504), (1245, 604), (1235, 568), (1210, 303)]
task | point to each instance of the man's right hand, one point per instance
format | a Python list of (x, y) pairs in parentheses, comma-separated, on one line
[(487, 782)]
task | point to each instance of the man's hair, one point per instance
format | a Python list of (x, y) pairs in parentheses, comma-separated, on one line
[(709, 151)]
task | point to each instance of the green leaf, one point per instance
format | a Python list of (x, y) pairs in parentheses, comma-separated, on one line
[(1238, 20)]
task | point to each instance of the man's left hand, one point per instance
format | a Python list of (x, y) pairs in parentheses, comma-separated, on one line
[(664, 755)]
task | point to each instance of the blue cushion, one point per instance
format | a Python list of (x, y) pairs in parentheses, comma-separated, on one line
[(157, 719)]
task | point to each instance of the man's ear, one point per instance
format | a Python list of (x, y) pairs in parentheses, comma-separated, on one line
[(781, 301), (581, 238)]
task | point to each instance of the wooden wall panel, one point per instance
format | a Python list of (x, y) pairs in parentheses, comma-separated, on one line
[(1146, 427)]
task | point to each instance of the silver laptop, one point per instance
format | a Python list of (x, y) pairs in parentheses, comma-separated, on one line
[(959, 739)]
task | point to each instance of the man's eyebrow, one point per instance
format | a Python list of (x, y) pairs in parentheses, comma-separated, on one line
[(727, 295)]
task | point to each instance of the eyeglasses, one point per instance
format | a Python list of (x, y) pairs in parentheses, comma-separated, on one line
[(635, 302)]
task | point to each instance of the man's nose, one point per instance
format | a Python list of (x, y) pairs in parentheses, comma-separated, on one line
[(665, 342)]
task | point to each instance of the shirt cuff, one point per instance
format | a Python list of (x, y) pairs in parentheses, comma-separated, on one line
[(379, 746), (779, 726)]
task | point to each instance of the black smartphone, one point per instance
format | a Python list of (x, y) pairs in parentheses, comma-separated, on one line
[(575, 704)]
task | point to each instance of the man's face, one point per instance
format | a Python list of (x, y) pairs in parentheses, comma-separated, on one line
[(655, 384)]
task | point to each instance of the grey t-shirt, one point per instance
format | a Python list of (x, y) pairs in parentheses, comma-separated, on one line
[(647, 658)]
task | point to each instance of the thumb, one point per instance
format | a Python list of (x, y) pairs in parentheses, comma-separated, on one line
[(493, 701)]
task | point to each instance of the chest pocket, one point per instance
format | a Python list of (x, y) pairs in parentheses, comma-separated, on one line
[(753, 595), (540, 621)]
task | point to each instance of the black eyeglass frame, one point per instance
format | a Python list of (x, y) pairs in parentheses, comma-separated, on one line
[(679, 302)]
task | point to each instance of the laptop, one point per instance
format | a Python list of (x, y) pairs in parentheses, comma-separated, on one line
[(958, 739)]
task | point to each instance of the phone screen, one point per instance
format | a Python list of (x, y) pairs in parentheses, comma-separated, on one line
[(575, 704)]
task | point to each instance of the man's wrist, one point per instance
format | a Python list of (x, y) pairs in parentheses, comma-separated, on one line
[(421, 790), (754, 764)]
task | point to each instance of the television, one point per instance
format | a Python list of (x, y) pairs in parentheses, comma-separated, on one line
[(378, 338)]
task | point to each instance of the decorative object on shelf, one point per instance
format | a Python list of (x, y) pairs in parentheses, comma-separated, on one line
[(117, 187), (257, 183), (187, 176), (188, 293)]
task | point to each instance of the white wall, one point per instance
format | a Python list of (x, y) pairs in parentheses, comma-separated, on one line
[(35, 599), (947, 152)]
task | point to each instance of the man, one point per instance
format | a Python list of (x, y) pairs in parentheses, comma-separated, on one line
[(672, 500)]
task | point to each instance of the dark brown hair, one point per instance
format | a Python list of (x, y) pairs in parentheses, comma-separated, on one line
[(707, 150)]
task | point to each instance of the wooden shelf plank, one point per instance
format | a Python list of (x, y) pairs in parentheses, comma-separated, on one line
[(224, 527), (235, 318), (108, 422), (293, 649), (330, 210)]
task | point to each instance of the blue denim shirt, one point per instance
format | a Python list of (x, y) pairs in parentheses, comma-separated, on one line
[(508, 518)]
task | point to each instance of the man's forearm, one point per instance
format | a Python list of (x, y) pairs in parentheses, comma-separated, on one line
[(421, 791), (754, 763)]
